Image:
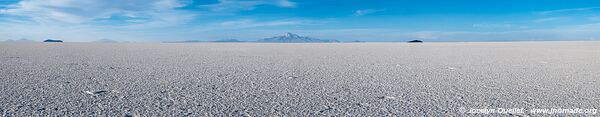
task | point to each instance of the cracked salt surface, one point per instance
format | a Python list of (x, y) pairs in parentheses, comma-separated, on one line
[(266, 79)]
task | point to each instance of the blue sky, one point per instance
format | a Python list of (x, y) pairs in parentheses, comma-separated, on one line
[(346, 20)]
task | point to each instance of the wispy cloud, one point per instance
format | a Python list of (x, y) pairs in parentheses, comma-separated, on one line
[(362, 12), (594, 18), (286, 3), (237, 5), (233, 5), (82, 19), (251, 23), (131, 20), (78, 11), (567, 10), (498, 26), (550, 19), (568, 32)]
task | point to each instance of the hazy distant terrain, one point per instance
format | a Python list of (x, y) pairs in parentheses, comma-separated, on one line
[(303, 79), (18, 41)]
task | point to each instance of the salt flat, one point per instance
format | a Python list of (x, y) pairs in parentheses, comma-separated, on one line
[(316, 79)]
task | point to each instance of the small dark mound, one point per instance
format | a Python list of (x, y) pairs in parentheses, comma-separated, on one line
[(51, 40), (415, 41)]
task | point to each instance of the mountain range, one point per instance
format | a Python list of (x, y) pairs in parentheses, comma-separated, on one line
[(293, 38), (106, 41), (19, 41)]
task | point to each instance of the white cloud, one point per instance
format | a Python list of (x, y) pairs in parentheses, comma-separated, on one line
[(286, 3), (550, 19), (81, 20), (250, 23), (497, 26), (237, 5), (130, 20), (85, 11), (362, 12), (567, 10), (231, 5), (594, 18), (570, 32)]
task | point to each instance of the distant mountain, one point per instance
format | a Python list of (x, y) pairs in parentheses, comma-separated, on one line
[(105, 41), (293, 38), (186, 41), (227, 40), (19, 41), (355, 41)]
